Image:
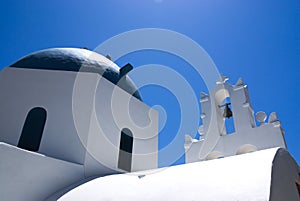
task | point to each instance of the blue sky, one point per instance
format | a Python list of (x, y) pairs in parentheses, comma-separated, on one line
[(256, 40)]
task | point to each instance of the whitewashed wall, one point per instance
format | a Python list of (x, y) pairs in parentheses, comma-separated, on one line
[(23, 89), (80, 129), (31, 176)]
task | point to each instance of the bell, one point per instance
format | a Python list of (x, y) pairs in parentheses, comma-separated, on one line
[(227, 111)]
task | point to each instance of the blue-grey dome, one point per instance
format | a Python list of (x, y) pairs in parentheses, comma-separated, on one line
[(75, 59)]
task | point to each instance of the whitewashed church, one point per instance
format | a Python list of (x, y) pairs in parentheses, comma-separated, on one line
[(74, 127)]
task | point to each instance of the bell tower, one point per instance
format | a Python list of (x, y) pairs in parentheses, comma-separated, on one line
[(229, 125)]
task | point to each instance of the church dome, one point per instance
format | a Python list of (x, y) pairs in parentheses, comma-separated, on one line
[(77, 60)]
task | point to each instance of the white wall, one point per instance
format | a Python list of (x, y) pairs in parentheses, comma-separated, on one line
[(23, 89), (115, 109), (80, 126), (31, 176)]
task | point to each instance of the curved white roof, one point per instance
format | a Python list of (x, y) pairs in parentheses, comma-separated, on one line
[(242, 177)]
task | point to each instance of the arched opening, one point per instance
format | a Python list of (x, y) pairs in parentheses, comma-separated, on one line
[(125, 151), (33, 129), (225, 115), (229, 122)]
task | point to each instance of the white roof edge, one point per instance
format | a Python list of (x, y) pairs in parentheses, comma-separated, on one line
[(240, 177)]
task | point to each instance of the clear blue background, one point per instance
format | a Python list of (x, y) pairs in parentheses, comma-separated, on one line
[(257, 40)]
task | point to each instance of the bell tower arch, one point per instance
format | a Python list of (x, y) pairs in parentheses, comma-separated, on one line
[(227, 110)]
